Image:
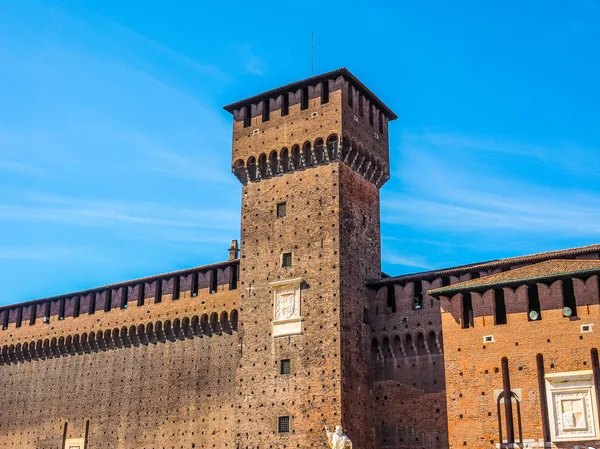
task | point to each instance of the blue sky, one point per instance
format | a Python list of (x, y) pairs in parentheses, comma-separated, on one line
[(115, 152)]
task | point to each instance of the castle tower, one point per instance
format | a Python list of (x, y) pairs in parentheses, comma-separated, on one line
[(311, 156)]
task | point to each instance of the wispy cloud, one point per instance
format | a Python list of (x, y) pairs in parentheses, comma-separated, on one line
[(252, 64), (407, 261), (445, 194)]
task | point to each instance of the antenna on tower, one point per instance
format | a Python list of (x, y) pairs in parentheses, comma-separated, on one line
[(312, 70)]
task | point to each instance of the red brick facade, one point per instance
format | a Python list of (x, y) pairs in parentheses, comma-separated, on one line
[(300, 332)]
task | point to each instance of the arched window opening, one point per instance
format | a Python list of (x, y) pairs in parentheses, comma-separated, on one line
[(421, 349), (332, 148), (214, 322), (295, 158), (398, 347), (251, 166), (262, 166), (569, 301), (224, 319), (499, 306), (307, 154), (205, 325), (234, 319), (408, 346), (285, 160), (432, 343), (273, 163), (319, 152), (534, 309)]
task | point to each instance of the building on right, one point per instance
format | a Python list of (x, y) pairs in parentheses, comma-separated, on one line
[(521, 356)]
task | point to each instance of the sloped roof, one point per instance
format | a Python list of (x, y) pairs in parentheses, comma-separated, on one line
[(312, 81), (497, 263), (550, 269)]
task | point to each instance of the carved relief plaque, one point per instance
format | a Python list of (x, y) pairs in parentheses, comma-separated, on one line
[(572, 406), (75, 443), (286, 315)]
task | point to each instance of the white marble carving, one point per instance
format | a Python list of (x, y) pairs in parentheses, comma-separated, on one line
[(287, 319), (572, 406)]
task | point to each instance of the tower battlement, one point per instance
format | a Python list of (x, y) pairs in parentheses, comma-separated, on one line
[(327, 118)]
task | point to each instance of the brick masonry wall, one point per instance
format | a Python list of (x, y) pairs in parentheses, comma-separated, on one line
[(473, 368)]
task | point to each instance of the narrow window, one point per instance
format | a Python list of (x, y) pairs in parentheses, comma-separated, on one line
[(158, 293), (325, 92), (445, 281), (20, 315), (176, 288), (194, 284), (285, 366), (266, 111), (281, 210), (350, 96), (213, 281), (61, 309), (418, 297), (46, 312), (286, 260), (33, 315), (533, 303), (234, 277), (124, 298), (365, 315), (569, 303), (467, 312), (247, 116), (5, 320), (543, 401), (371, 113), (391, 298), (364, 221), (499, 306), (360, 105), (304, 102), (76, 306), (285, 105), (381, 122), (107, 301), (283, 424), (92, 303), (141, 294)]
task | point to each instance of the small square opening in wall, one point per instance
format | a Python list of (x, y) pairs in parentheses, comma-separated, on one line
[(281, 210), (488, 339), (285, 366), (286, 260), (586, 328), (255, 131), (283, 425)]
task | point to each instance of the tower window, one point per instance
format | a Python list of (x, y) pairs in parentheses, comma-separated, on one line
[(283, 424), (361, 111), (499, 306), (266, 111), (391, 298), (213, 281), (371, 112), (247, 116), (350, 96), (381, 123), (569, 297), (61, 309), (467, 312), (285, 366), (286, 260), (281, 210), (304, 102), (285, 105), (76, 306), (325, 92), (418, 297), (533, 303)]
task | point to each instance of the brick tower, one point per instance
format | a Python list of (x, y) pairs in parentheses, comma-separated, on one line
[(311, 156)]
